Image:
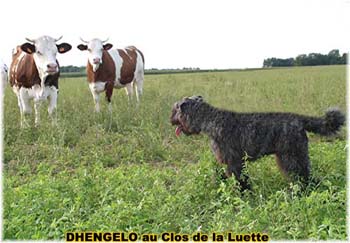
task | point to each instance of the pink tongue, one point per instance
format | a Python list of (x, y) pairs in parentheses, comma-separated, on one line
[(178, 131)]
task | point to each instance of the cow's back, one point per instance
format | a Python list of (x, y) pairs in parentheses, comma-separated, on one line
[(127, 62)]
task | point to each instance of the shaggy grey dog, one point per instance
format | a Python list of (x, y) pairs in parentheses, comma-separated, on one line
[(237, 137)]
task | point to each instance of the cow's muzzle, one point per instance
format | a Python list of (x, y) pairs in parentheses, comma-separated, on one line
[(52, 68), (96, 60)]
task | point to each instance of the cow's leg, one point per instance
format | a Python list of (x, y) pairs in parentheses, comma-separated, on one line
[(37, 111), (52, 109), (110, 108), (96, 97), (24, 103), (129, 91), (138, 84), (109, 91), (20, 109)]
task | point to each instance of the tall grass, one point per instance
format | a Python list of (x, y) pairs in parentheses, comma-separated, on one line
[(137, 176)]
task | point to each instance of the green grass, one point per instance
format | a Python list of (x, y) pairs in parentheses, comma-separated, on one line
[(137, 176)]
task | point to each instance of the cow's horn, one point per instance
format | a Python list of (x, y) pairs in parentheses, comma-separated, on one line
[(30, 40), (105, 40), (58, 38), (84, 40)]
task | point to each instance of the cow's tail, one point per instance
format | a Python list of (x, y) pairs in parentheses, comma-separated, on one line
[(143, 58), (138, 51), (327, 125)]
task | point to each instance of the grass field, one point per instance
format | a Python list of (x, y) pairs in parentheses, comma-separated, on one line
[(137, 176)]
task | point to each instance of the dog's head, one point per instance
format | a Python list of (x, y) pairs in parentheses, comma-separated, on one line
[(184, 114)]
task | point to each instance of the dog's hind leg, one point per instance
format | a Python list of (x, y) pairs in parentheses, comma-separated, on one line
[(293, 157), (296, 165)]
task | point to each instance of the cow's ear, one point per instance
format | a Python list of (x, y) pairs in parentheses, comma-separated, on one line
[(28, 48), (63, 47), (82, 47), (107, 46)]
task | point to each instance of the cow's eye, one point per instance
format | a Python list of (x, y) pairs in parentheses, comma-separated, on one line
[(39, 53)]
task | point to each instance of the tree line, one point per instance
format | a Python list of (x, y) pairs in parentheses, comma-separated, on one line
[(312, 59), (72, 69), (82, 69)]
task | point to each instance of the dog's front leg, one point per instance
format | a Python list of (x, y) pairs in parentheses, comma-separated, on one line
[(236, 169)]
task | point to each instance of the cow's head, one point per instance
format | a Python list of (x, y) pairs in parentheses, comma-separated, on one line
[(44, 51), (95, 49)]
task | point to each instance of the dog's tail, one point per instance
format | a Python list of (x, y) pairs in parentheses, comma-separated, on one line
[(327, 125)]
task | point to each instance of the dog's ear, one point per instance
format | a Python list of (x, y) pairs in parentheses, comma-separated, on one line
[(187, 101), (197, 98), (182, 105)]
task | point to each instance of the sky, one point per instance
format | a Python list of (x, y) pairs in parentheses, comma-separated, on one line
[(175, 34)]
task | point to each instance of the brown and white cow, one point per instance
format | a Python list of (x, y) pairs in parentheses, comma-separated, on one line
[(34, 74), (113, 68)]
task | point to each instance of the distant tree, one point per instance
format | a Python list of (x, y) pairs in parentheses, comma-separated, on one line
[(301, 60), (312, 59), (268, 62), (278, 62), (334, 57), (72, 69), (344, 58)]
